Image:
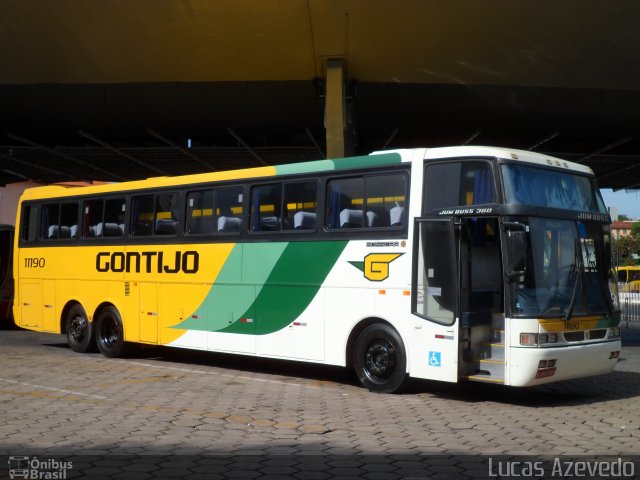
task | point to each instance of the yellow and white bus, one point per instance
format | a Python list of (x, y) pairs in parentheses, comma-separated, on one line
[(481, 263), (629, 278)]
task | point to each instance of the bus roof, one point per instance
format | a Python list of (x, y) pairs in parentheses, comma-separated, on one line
[(54, 191), (507, 154), (380, 158)]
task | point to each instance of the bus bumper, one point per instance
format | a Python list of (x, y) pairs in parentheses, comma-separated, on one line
[(535, 366)]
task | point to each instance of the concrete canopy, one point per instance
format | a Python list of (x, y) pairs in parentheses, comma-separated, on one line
[(114, 90)]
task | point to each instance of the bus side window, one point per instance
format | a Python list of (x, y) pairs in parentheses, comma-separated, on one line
[(345, 202), (266, 208), (59, 221), (441, 186), (385, 197), (69, 220), (92, 218), (50, 224), (374, 201), (279, 207), (103, 218), (29, 223), (300, 206), (455, 184), (114, 211), (142, 216), (154, 215), (166, 214), (228, 209), (200, 212)]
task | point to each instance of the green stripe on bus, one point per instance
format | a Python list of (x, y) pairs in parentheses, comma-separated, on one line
[(367, 161), (282, 280), (291, 286), (364, 161), (232, 294), (612, 321), (305, 167)]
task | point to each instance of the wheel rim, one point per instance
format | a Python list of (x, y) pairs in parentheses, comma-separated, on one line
[(78, 329), (109, 334), (380, 360)]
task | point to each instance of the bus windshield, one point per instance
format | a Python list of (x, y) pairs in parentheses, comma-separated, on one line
[(566, 271), (628, 274), (525, 185)]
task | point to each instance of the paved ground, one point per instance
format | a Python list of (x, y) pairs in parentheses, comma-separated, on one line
[(221, 416)]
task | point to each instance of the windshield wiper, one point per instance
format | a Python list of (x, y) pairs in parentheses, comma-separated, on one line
[(593, 267), (574, 294)]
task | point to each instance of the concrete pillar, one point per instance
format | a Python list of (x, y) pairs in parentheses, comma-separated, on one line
[(338, 136)]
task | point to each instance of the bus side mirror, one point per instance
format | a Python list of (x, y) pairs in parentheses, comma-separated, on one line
[(516, 253)]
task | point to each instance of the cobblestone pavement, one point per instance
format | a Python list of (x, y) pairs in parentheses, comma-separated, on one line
[(202, 415)]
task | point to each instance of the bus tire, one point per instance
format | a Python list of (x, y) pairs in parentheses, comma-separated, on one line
[(79, 330), (110, 332), (379, 359)]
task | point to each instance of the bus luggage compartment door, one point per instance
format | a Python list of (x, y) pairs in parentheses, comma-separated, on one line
[(49, 319), (31, 304), (148, 312)]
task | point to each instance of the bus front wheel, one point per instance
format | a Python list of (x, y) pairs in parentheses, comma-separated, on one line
[(79, 330), (379, 359), (109, 332)]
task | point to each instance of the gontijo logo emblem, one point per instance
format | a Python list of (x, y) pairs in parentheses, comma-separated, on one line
[(376, 265)]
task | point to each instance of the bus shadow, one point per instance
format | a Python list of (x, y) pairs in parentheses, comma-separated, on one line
[(615, 386), (248, 364), (618, 385)]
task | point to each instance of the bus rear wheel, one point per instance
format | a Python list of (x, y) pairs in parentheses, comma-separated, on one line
[(379, 359), (109, 332), (79, 330)]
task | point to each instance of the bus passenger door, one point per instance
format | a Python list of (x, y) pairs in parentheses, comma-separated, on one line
[(435, 293), (481, 300)]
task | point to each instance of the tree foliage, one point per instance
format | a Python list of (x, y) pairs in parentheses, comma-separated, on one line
[(624, 248)]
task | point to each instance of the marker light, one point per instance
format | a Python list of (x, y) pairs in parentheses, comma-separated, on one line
[(547, 363), (548, 338), (538, 339)]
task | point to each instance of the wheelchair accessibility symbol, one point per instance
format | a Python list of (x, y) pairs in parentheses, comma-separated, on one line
[(435, 359)]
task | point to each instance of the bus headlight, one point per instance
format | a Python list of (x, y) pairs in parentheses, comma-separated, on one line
[(614, 333), (528, 339)]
